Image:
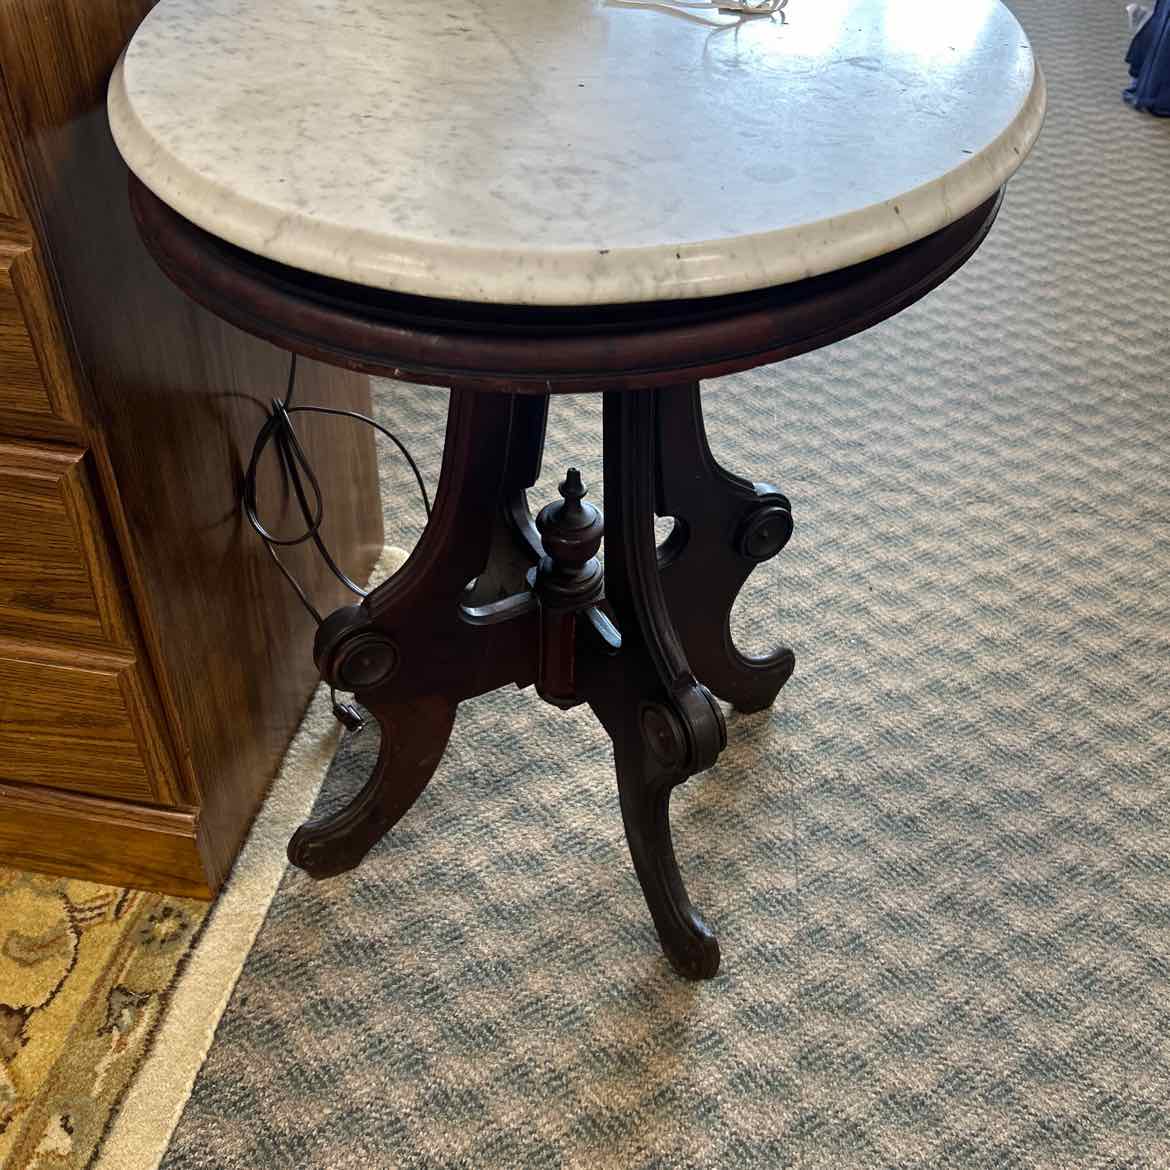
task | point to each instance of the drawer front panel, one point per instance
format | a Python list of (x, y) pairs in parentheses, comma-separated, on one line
[(35, 375), (81, 725), (56, 579), (22, 385)]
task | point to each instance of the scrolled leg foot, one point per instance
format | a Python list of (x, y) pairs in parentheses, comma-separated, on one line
[(664, 725), (412, 650), (414, 737), (647, 772)]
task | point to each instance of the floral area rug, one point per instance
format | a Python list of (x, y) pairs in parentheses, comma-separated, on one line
[(85, 973)]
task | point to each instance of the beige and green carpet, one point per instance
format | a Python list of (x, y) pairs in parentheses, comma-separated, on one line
[(939, 868), (85, 974)]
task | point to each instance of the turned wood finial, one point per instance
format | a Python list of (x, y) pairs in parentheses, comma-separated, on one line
[(571, 530), (572, 492), (568, 580)]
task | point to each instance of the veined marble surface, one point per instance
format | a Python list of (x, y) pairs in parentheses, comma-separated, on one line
[(570, 152)]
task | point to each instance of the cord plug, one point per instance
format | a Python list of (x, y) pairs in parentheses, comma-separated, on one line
[(348, 715)]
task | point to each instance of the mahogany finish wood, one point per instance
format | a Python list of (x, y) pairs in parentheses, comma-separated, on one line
[(542, 351), (100, 353), (568, 584), (477, 607), (412, 651), (664, 724), (414, 736), (725, 526), (488, 598)]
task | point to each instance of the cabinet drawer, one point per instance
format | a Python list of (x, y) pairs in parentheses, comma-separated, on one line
[(56, 576), (35, 375), (80, 722)]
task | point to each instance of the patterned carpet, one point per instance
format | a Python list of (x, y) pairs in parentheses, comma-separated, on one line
[(85, 973), (939, 868)]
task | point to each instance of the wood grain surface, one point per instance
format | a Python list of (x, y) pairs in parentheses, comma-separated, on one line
[(56, 576), (35, 375), (104, 840), (10, 203), (167, 400), (80, 722)]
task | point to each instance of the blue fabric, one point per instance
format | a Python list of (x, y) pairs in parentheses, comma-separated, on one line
[(1149, 64)]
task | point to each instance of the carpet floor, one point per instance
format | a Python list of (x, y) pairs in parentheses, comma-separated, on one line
[(939, 867), (86, 971)]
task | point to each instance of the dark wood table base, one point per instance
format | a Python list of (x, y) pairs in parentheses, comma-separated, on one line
[(640, 645), (490, 597)]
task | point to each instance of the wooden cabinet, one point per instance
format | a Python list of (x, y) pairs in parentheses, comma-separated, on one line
[(82, 722), (153, 664), (34, 380), (57, 579), (22, 385)]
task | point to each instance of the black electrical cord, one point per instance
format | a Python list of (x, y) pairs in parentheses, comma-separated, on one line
[(296, 469)]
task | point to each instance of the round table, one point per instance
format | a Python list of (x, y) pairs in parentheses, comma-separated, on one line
[(519, 198)]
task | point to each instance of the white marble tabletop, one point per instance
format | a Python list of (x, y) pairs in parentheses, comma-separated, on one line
[(569, 151)]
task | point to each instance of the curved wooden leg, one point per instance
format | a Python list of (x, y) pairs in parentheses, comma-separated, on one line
[(645, 781), (664, 724), (515, 542), (725, 527), (412, 650), (414, 737)]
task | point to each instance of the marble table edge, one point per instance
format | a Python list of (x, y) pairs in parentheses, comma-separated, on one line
[(578, 276)]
